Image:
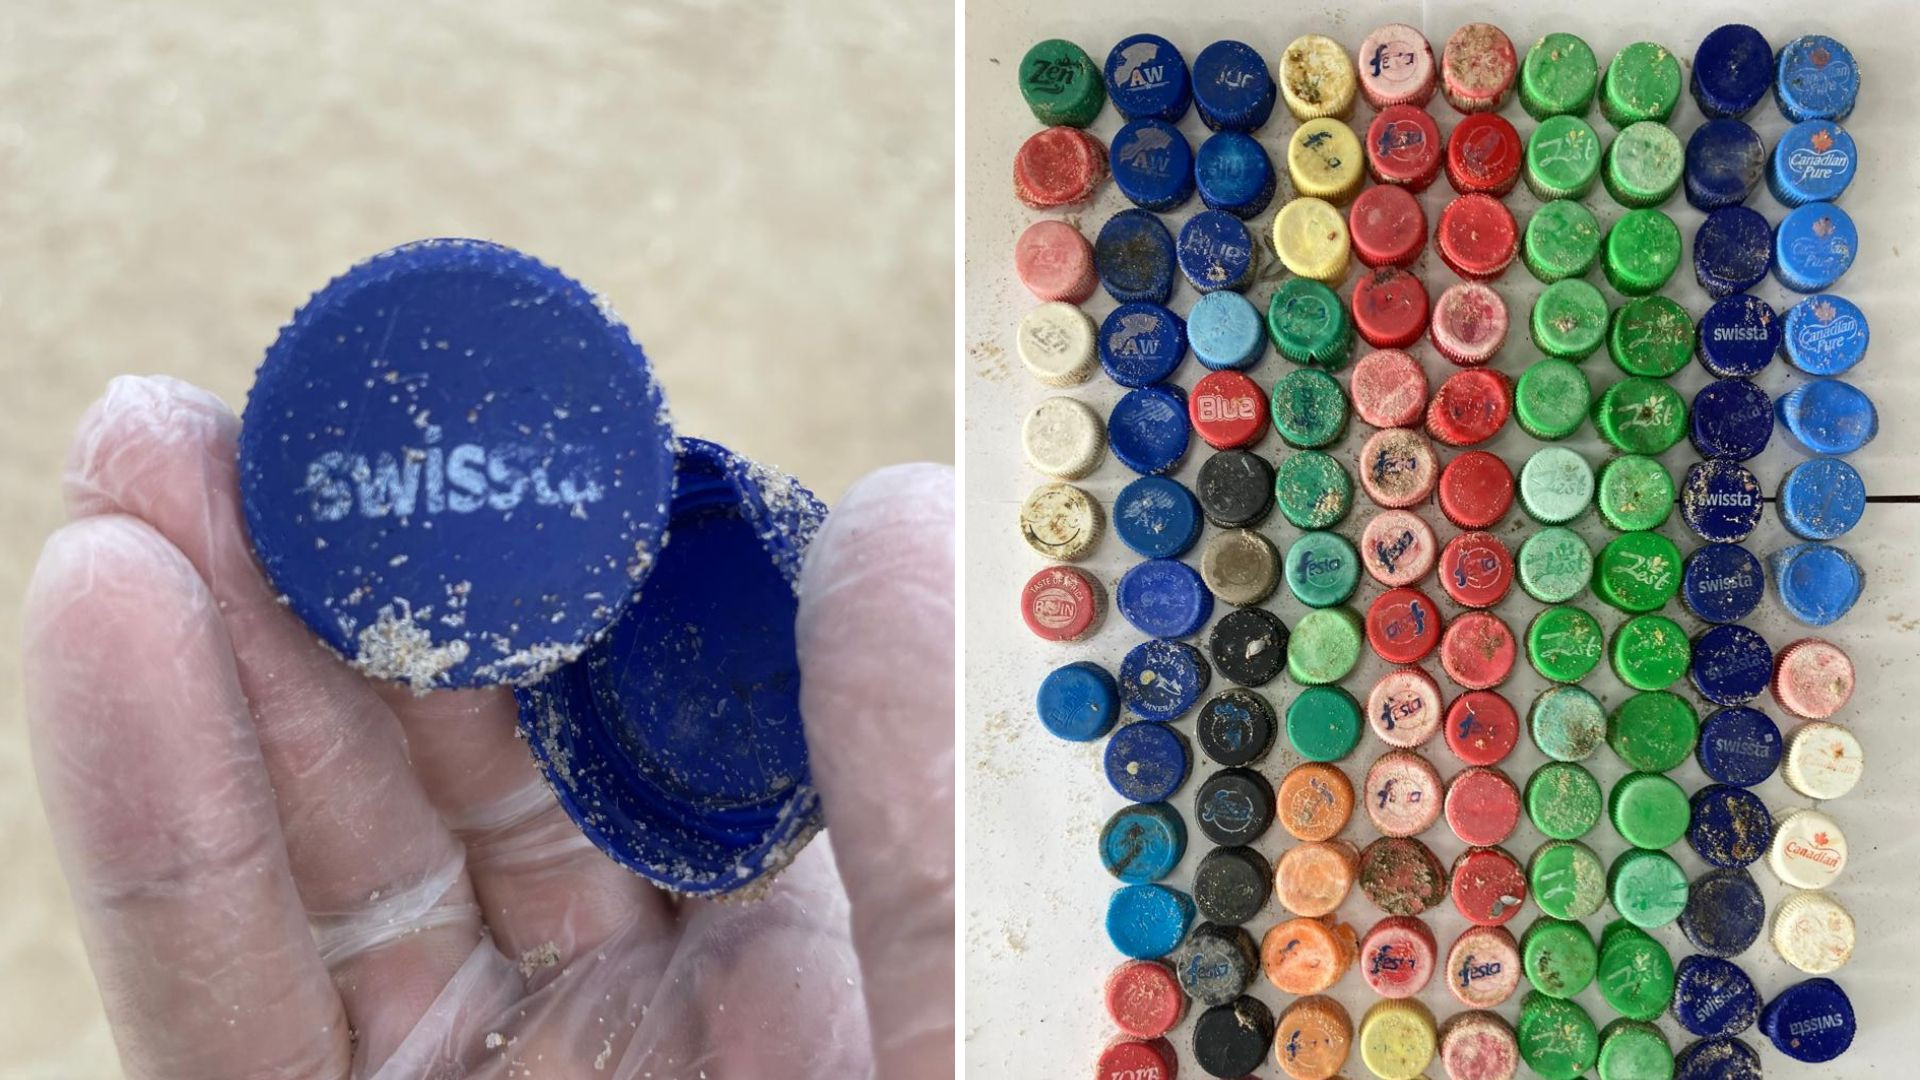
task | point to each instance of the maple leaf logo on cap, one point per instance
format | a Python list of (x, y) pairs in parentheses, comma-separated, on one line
[(1822, 140)]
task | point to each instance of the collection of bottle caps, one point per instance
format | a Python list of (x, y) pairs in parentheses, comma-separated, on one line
[(1354, 186)]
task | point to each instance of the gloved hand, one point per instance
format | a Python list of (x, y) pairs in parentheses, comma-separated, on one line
[(283, 870)]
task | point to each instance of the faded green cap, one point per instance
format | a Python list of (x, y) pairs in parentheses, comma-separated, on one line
[(1556, 485), (1647, 888), (1631, 1050), (1324, 647), (1554, 565), (1562, 240), (1551, 398), (1557, 1038), (1569, 319), (1563, 800), (1650, 335), (1642, 252), (1563, 158), (1568, 881), (1568, 724), (1558, 955), (1641, 84), (1649, 810), (1312, 489), (1558, 77), (1061, 83)]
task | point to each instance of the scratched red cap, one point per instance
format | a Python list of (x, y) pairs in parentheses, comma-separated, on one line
[(1058, 166), (1389, 307), (1469, 323), (1228, 410), (1476, 569), (1484, 155), (1386, 227), (1403, 626), (1476, 490), (1488, 885), (1483, 806), (1134, 1059), (1398, 548), (1477, 652), (1470, 407), (1404, 147), (1389, 388), (1062, 603), (1397, 956), (1477, 237), (1482, 728), (1144, 998), (1055, 262)]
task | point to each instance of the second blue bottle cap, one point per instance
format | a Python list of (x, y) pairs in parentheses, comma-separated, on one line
[(1232, 87), (1829, 416), (1157, 517), (1143, 842), (1078, 702), (1164, 598), (1731, 419), (1147, 762), (1732, 70), (1720, 501), (1810, 1021), (1822, 499), (1148, 429), (1146, 922), (1161, 680), (1713, 998), (1732, 250), (1721, 583), (1725, 161), (1813, 162), (1813, 247), (1216, 252), (1141, 344), (1731, 664), (1152, 164), (1234, 174), (1147, 77), (1815, 78), (1738, 336), (1739, 746), (1825, 335), (1817, 583)]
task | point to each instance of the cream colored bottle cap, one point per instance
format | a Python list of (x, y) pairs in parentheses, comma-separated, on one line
[(1317, 78), (1824, 761), (1056, 343), (1808, 850), (1813, 932), (1310, 236), (1064, 438), (1061, 522)]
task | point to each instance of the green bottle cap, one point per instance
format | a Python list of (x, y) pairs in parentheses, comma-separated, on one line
[(1556, 484), (1569, 319), (1554, 565), (1562, 240), (1559, 956), (1568, 881), (1636, 973), (1563, 800), (1638, 415), (1309, 324), (1643, 251), (1568, 725), (1309, 409), (1313, 490), (1650, 652), (1636, 492), (1323, 723), (1324, 646), (1647, 888), (1637, 571), (1557, 1038), (1564, 644), (1649, 810), (1642, 84), (1563, 159), (1551, 398), (1653, 731), (1650, 335), (1322, 569), (1633, 1050), (1061, 83), (1643, 166), (1558, 77)]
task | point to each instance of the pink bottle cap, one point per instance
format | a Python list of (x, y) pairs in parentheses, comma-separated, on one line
[(1058, 166), (1389, 388), (1398, 467), (1396, 67), (1483, 967), (1144, 998), (1812, 679), (1478, 1046), (1477, 68), (1403, 793), (1405, 708), (1055, 262), (1398, 956), (1469, 323), (1397, 548)]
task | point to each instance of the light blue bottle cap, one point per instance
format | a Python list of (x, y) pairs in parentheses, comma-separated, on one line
[(1815, 78), (1825, 335), (1813, 247), (1143, 842), (1817, 583), (1078, 702), (1813, 162), (1822, 499), (1828, 416), (1226, 331), (1146, 922)]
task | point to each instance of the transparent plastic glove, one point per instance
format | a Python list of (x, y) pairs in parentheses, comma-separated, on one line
[(283, 870)]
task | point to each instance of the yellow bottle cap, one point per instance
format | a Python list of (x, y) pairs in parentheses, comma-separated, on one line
[(1325, 160), (1310, 237), (1397, 1039), (1317, 78)]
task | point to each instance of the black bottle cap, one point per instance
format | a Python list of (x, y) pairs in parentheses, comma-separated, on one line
[(1216, 963), (1236, 727), (1249, 646), (1232, 884), (1234, 806), (1235, 489), (1231, 1041)]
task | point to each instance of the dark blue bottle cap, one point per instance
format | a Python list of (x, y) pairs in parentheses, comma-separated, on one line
[(1721, 583), (1164, 598), (1822, 499), (1232, 87), (1739, 746), (1146, 761), (1720, 501), (1160, 680), (1813, 247), (1157, 517), (1134, 257), (1738, 337), (1729, 828), (1216, 252), (1227, 331), (1078, 702), (1825, 335), (1148, 429), (1731, 419), (1152, 164), (455, 466), (1717, 1059), (1817, 583), (1829, 416), (1732, 70), (1236, 727), (1713, 998), (1731, 250), (1141, 344), (1147, 77), (1731, 665), (1234, 174), (709, 807), (1810, 1021), (1813, 162), (1143, 842), (1725, 911), (1725, 160), (1146, 922), (1815, 78)]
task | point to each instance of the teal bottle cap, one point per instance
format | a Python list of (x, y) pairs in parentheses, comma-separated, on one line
[(1554, 565), (1567, 723), (1323, 723), (1556, 485), (1313, 490), (1647, 888), (1322, 569)]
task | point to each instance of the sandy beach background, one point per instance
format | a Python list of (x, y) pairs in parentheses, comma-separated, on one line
[(763, 191)]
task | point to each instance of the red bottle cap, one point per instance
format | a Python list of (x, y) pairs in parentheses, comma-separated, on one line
[(1062, 603), (1477, 652), (1404, 147), (1389, 388), (1482, 728), (1488, 885), (1398, 956), (1398, 467), (1477, 237), (1483, 806), (1130, 1059), (1469, 323), (1387, 227), (1470, 407), (1483, 967), (1144, 998), (1389, 307), (1484, 155), (1403, 793), (1058, 166), (1812, 679), (1478, 1046), (1403, 626), (1055, 262), (1476, 569), (1477, 67), (1227, 410), (1398, 548), (1405, 708), (1476, 490)]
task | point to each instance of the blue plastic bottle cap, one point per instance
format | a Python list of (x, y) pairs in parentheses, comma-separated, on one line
[(1216, 252), (1810, 1021), (1725, 160), (1147, 77), (1817, 583), (1738, 337), (1232, 87), (1731, 419), (1164, 598), (1829, 417), (1160, 680), (1815, 78), (708, 807), (1812, 162), (1146, 761), (1813, 247), (1157, 517), (455, 466), (1717, 1059), (1713, 998), (1721, 583), (1141, 344), (1152, 164), (1078, 702), (1234, 174), (1739, 746), (1825, 335), (1143, 842), (1146, 922), (1732, 70), (1725, 911), (1226, 331), (1148, 429), (1720, 501), (1731, 250), (1822, 499), (1731, 664), (1134, 256)]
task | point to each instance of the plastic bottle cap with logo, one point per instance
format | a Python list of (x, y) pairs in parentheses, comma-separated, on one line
[(1397, 956), (1062, 603), (1232, 172), (1249, 646), (1563, 800), (1234, 807), (1062, 522), (1404, 147), (1731, 419), (1387, 226), (1404, 708), (1141, 344), (1635, 492), (1551, 398), (1813, 247), (1720, 501), (1825, 335), (1638, 415), (1483, 967), (1134, 256), (1647, 888), (1732, 70), (1322, 569), (1306, 956), (1738, 337), (1313, 490), (1156, 517), (1227, 410), (1813, 932), (1824, 761), (1147, 762), (1642, 251), (1396, 67), (1403, 626), (1739, 746), (1470, 408), (1398, 548), (1808, 850), (1389, 307), (1148, 429), (1235, 727), (1309, 324), (1216, 252), (1056, 344), (1163, 598), (1559, 957), (1232, 88), (1152, 165), (1161, 680), (1061, 83), (1556, 485), (1475, 490), (1147, 77), (1123, 1057), (1564, 644), (1816, 583), (1310, 237), (1813, 162), (1558, 77), (1636, 973), (1315, 801), (1725, 160), (1562, 240), (1563, 159), (1815, 78), (1811, 1021), (1829, 417), (1476, 569), (1309, 409), (1055, 262), (1713, 998), (1731, 665), (1226, 332), (1485, 155), (1313, 1038), (1324, 160), (1477, 68), (1231, 885), (1078, 702), (1477, 237), (1569, 319), (1469, 324), (1637, 571), (1397, 467), (1554, 565), (1482, 728), (1143, 842)]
